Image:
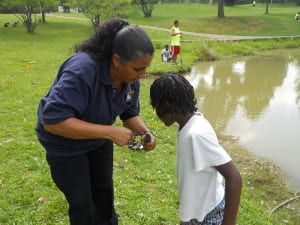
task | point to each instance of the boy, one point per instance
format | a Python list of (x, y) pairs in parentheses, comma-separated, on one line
[(202, 164), (297, 17), (175, 41), (166, 54)]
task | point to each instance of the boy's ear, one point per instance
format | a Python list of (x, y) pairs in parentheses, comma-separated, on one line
[(116, 60)]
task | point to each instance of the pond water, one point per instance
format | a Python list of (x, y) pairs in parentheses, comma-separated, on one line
[(256, 99)]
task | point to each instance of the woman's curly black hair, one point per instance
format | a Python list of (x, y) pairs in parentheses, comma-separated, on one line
[(172, 93), (117, 36)]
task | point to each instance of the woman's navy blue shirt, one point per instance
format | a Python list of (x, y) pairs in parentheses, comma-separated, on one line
[(83, 89)]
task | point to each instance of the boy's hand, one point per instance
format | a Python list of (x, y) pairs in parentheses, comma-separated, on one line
[(149, 141)]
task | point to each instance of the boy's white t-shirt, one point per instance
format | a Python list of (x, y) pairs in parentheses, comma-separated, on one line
[(166, 54), (199, 183)]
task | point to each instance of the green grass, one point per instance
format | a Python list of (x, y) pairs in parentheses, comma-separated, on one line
[(239, 20), (146, 190)]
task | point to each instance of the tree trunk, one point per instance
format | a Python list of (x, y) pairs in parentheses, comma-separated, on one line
[(267, 7), (43, 17), (43, 14), (97, 20), (221, 9)]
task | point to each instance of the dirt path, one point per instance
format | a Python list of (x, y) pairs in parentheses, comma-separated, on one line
[(221, 37), (218, 37)]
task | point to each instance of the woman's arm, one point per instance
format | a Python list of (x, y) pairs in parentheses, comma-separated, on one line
[(78, 129)]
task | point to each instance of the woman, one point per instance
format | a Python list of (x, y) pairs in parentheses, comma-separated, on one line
[(94, 86)]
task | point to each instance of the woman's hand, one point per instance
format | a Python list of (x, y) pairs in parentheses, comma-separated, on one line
[(137, 125), (121, 136)]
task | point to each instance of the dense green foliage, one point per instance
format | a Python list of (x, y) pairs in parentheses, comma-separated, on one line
[(145, 183)]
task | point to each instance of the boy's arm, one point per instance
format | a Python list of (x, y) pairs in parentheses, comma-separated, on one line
[(233, 188), (172, 32)]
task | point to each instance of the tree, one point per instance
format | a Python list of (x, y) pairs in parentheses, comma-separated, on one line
[(29, 21), (267, 7), (27, 11), (221, 9), (98, 10), (146, 6), (45, 6), (66, 4)]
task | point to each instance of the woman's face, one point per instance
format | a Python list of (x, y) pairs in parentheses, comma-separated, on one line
[(131, 71)]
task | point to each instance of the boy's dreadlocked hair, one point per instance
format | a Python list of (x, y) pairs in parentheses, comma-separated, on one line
[(172, 93)]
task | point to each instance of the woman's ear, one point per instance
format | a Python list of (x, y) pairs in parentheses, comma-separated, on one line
[(116, 60)]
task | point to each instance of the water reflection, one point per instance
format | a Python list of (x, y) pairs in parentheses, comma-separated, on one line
[(258, 100)]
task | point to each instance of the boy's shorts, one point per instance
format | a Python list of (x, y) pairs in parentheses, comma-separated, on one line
[(214, 217), (175, 50)]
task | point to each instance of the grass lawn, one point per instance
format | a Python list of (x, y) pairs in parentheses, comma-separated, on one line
[(145, 184)]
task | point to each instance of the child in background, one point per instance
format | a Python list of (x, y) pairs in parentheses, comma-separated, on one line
[(202, 164), (176, 35), (166, 54), (297, 17)]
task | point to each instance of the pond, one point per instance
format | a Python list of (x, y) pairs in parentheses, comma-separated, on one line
[(256, 99)]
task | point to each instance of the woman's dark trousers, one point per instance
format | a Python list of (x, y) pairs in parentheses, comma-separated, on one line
[(86, 181)]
